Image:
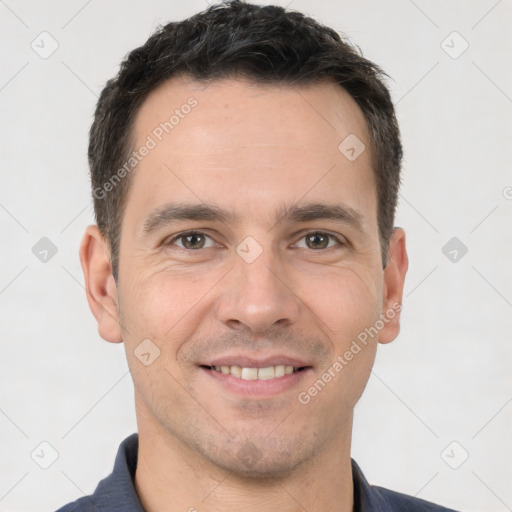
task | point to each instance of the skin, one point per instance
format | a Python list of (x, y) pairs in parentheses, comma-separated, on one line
[(252, 150)]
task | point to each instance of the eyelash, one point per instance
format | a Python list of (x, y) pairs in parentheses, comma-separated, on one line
[(184, 234)]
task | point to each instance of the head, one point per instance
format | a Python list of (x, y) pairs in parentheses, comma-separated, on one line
[(276, 143)]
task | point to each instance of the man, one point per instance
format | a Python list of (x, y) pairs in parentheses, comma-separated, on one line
[(245, 168)]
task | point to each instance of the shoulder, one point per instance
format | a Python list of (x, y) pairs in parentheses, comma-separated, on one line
[(372, 498), (116, 492), (85, 504), (399, 502)]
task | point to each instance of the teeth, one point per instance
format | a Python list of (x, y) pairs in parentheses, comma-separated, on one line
[(245, 373), (236, 371), (279, 370), (249, 373), (266, 373)]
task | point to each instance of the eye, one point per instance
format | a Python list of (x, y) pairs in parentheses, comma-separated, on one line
[(195, 240), (191, 240), (319, 240)]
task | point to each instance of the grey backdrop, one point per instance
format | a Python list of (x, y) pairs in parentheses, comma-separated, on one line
[(435, 419)]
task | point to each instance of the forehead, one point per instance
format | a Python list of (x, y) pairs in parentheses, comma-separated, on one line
[(267, 113), (249, 147)]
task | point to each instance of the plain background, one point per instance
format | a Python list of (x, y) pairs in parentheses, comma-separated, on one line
[(440, 393)]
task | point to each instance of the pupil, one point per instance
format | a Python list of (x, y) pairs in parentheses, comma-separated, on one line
[(192, 237), (317, 236)]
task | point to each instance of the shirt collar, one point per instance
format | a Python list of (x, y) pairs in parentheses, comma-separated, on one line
[(116, 493)]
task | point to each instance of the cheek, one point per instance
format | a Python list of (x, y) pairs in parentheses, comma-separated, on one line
[(346, 299), (162, 304), (347, 304)]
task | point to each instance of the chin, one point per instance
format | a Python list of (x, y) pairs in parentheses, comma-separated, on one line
[(260, 459)]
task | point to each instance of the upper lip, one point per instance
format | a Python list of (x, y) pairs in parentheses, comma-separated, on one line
[(256, 362)]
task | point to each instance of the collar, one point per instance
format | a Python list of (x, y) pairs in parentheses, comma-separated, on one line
[(116, 493)]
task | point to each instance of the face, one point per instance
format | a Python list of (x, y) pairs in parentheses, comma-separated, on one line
[(250, 264)]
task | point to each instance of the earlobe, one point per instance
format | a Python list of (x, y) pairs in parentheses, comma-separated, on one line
[(100, 286), (394, 278)]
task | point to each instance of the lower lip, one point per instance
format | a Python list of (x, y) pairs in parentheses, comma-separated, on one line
[(257, 388)]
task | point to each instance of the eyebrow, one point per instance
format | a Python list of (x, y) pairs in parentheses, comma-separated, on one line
[(175, 212)]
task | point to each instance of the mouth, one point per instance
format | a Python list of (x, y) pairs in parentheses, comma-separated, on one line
[(256, 373), (256, 378), (251, 375)]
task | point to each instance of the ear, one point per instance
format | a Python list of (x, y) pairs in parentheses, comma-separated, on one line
[(100, 286), (394, 278)]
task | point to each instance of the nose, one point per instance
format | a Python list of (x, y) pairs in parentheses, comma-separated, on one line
[(258, 295)]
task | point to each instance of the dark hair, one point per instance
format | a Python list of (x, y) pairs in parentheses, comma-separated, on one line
[(266, 44)]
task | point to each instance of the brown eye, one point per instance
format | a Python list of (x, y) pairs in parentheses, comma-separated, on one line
[(192, 240), (318, 240)]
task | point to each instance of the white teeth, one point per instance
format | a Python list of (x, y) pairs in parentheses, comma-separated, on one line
[(249, 373), (236, 371), (279, 370), (246, 373), (266, 373)]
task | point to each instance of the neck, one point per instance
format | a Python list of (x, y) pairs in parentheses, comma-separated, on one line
[(173, 477)]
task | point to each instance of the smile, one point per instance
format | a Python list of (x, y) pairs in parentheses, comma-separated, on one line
[(248, 373)]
